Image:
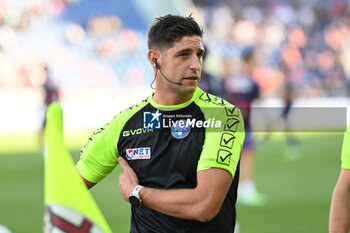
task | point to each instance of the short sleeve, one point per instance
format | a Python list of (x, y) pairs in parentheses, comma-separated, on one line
[(345, 155), (223, 145), (99, 156)]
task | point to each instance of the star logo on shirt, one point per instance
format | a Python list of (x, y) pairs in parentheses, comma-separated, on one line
[(151, 120), (156, 115)]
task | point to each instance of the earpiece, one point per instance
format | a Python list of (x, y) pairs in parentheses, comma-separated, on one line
[(156, 62), (158, 68)]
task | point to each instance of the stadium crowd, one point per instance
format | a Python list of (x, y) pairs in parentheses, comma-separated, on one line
[(304, 44), (34, 35)]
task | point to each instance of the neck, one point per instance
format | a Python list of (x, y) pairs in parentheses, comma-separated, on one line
[(170, 98)]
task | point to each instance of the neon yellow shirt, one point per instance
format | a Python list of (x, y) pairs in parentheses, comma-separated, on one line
[(220, 146), (345, 155), (166, 146)]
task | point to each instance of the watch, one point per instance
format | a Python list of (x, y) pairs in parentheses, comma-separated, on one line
[(134, 197)]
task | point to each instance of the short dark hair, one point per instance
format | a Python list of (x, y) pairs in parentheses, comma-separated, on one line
[(171, 28)]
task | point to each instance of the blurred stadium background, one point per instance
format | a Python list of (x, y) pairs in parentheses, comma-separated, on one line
[(95, 52)]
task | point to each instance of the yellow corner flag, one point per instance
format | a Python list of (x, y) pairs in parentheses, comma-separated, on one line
[(69, 205)]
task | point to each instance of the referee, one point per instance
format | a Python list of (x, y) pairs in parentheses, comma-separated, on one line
[(179, 148)]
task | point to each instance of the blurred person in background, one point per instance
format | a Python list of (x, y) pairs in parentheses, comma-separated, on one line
[(51, 94), (297, 31), (293, 150), (241, 90), (209, 82), (177, 179), (339, 217)]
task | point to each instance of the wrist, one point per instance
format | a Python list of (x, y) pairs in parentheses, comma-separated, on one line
[(134, 197)]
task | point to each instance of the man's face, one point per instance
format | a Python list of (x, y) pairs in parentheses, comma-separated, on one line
[(183, 63)]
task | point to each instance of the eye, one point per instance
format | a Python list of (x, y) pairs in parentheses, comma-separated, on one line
[(200, 54)]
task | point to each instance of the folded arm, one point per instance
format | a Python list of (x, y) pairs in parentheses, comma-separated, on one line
[(201, 203)]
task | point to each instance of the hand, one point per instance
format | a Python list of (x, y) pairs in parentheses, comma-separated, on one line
[(127, 179)]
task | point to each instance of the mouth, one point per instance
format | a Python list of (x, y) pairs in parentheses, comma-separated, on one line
[(192, 78)]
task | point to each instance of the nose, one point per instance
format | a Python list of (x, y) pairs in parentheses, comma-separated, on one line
[(195, 63)]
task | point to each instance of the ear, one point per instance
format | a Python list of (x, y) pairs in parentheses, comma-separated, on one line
[(153, 57)]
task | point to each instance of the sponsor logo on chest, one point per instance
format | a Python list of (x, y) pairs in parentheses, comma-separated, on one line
[(138, 131), (138, 153)]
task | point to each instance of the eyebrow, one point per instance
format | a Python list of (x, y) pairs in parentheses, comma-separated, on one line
[(188, 50)]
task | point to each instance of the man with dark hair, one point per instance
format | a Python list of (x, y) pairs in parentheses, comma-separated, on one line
[(179, 148)]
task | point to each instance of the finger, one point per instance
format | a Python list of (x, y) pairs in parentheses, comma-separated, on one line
[(122, 162)]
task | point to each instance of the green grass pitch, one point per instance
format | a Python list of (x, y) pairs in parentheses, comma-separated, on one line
[(299, 191)]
